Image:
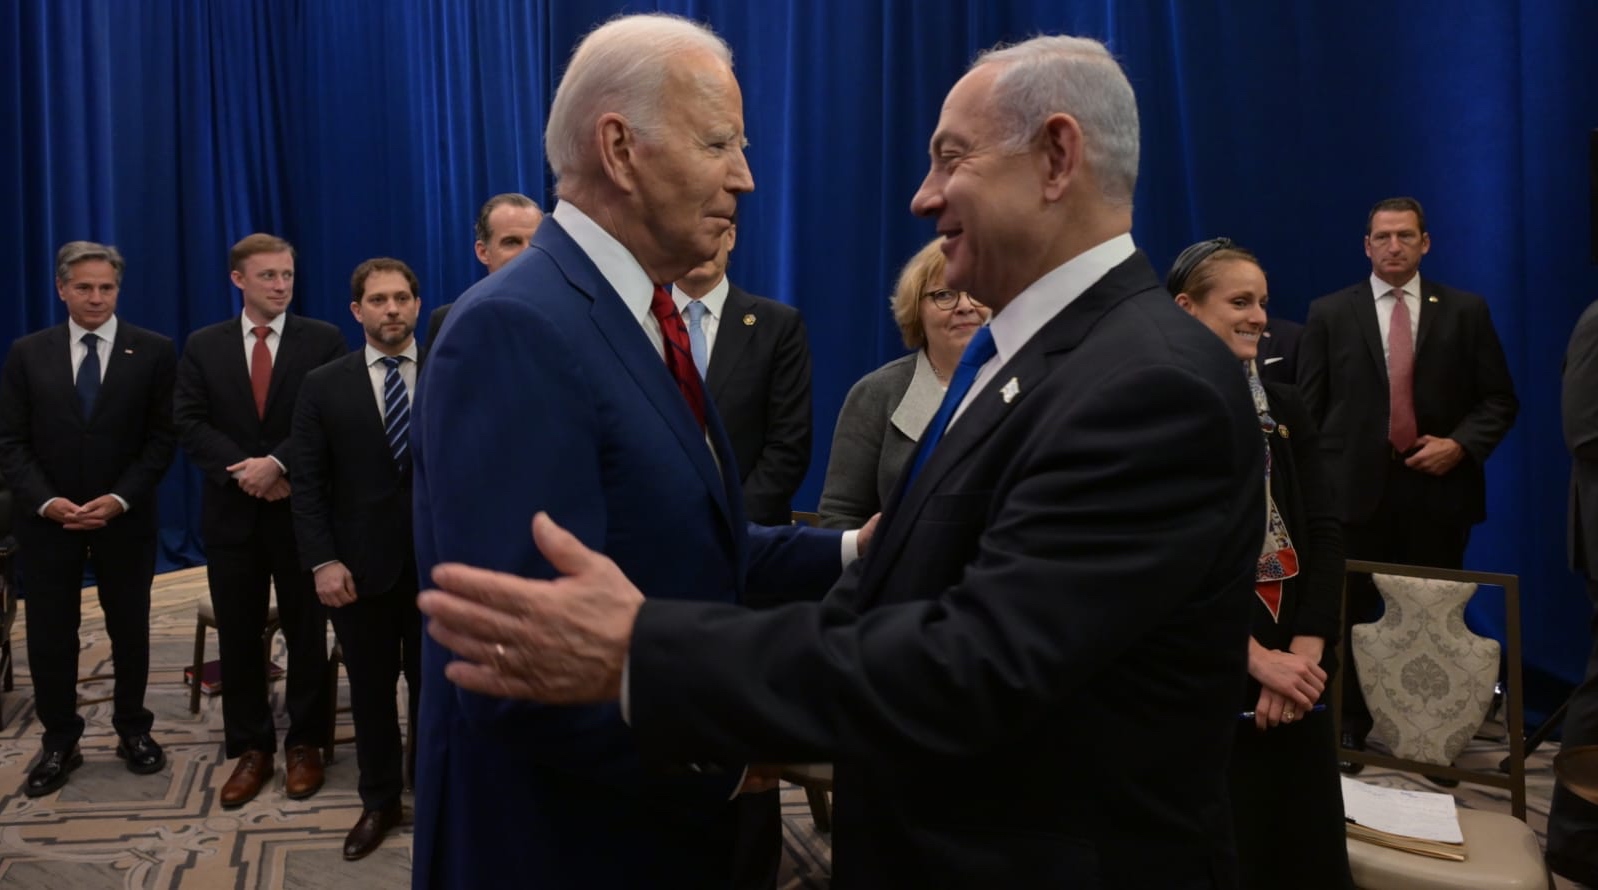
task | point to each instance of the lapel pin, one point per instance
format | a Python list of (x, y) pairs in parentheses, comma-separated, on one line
[(1432, 298), (1281, 430), (749, 320), (127, 352), (1010, 390)]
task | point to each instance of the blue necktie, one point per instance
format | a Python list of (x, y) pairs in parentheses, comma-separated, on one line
[(977, 352), (696, 336), (396, 410), (88, 382)]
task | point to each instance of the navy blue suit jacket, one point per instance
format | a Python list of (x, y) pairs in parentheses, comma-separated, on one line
[(544, 393)]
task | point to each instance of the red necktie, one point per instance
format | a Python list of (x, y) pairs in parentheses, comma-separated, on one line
[(261, 369), (679, 355), (1400, 377)]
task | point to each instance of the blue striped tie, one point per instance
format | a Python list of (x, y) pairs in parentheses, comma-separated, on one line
[(396, 411)]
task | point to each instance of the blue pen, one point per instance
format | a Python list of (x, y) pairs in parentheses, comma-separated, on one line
[(1249, 715)]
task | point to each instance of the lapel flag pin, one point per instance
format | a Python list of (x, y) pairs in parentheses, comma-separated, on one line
[(127, 352), (749, 320), (1010, 390), (1432, 298), (1281, 430)]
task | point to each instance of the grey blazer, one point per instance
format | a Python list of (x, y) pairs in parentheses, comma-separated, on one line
[(881, 421), (1579, 411)]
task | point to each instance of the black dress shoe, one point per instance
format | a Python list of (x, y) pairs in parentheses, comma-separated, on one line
[(51, 772), (143, 755), (1349, 767), (369, 831)]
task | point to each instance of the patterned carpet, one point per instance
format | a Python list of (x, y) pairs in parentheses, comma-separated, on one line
[(111, 829)]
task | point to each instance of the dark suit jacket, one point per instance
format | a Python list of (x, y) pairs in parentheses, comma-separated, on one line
[(1462, 391), (1311, 601), (1278, 355), (216, 418), (351, 502), (1055, 607), (590, 427), (435, 322), (49, 449), (1579, 410), (759, 377)]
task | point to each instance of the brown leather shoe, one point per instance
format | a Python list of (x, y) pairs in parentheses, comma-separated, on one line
[(303, 777), (249, 774), (369, 831)]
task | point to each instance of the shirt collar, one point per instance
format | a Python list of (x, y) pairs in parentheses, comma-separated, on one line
[(1043, 299), (373, 356), (275, 324), (106, 332), (619, 267), (1380, 288), (713, 301)]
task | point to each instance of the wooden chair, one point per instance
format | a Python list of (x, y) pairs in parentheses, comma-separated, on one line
[(1503, 851), (205, 616)]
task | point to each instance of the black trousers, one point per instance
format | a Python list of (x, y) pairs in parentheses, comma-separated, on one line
[(1573, 822), (52, 560), (1287, 806), (381, 636), (241, 579), (1400, 531)]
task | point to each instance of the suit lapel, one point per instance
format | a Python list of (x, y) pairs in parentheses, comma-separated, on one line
[(58, 367), (621, 330), (238, 367), (1363, 305), (362, 401), (123, 354), (288, 349), (1008, 390), (732, 336), (1431, 305)]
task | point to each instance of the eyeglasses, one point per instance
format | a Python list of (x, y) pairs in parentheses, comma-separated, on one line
[(1406, 238), (948, 299)]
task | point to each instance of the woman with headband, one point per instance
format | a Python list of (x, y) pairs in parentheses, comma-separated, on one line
[(1286, 791)]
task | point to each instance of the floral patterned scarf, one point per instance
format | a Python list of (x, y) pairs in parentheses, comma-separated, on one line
[(1278, 560)]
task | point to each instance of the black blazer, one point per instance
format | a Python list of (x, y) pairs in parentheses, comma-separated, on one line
[(1312, 600), (759, 376), (1278, 355), (1048, 632), (1579, 412), (350, 502), (435, 321), (1462, 391), (49, 449), (215, 413)]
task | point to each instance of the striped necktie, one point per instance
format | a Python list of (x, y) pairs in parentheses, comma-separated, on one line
[(396, 411)]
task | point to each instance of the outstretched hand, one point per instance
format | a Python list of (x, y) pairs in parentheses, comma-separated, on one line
[(562, 641)]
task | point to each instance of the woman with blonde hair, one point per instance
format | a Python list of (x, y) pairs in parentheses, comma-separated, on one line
[(885, 412)]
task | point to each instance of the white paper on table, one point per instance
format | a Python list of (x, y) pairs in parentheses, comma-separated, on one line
[(1421, 814)]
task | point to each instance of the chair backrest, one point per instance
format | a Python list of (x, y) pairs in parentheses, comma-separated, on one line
[(1514, 706)]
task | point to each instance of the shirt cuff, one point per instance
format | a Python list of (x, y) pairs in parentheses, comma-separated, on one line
[(121, 501), (321, 565), (626, 702), (279, 464), (850, 543), (46, 505)]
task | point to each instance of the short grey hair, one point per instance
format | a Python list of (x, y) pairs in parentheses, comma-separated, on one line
[(620, 67), (1078, 76), (74, 252)]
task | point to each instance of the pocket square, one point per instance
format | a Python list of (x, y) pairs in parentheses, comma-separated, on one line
[(1273, 360)]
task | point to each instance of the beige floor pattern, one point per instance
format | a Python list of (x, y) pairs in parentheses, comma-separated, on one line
[(111, 830)]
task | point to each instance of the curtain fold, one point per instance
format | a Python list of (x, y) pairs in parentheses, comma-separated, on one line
[(377, 127)]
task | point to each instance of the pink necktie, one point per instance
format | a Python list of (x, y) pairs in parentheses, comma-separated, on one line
[(1400, 377)]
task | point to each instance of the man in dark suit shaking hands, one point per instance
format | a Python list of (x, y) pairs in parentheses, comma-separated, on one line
[(352, 519), (1062, 580), (85, 437), (1408, 383), (234, 406)]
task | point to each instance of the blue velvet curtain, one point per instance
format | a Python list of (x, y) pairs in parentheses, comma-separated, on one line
[(376, 127)]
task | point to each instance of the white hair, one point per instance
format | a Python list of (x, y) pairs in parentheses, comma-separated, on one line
[(1078, 76), (620, 67)]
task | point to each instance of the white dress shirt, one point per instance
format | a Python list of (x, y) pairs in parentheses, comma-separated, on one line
[(714, 301), (1385, 304), (1042, 300)]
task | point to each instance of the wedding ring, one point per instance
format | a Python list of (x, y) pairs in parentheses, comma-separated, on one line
[(1287, 715), (499, 655)]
